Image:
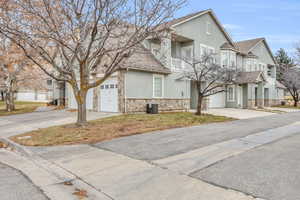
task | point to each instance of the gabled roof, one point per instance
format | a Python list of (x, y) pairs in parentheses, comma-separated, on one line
[(143, 60), (227, 45), (250, 77), (246, 46), (184, 18), (175, 22)]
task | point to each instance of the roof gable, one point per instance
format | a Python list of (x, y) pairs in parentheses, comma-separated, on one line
[(250, 77), (187, 18), (247, 46)]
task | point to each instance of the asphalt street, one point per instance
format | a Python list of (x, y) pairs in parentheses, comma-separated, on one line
[(269, 172), (15, 186), (167, 143)]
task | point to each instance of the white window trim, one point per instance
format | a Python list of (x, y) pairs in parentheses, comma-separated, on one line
[(233, 96), (208, 27), (163, 85), (209, 48)]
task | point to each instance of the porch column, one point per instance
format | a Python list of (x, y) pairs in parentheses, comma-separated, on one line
[(250, 91), (260, 95), (166, 51)]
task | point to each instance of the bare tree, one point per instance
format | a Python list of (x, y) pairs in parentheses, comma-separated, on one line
[(290, 78), (12, 62), (76, 38), (17, 71), (209, 77)]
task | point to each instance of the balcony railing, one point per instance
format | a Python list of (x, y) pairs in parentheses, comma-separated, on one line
[(180, 65)]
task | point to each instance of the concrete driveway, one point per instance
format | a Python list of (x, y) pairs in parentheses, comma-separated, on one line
[(17, 124), (238, 113)]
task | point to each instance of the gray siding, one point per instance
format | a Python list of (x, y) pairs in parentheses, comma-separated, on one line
[(140, 85), (196, 29), (262, 52)]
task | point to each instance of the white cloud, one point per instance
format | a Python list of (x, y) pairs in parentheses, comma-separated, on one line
[(232, 27)]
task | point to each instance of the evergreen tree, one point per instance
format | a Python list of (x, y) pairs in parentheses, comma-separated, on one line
[(283, 61)]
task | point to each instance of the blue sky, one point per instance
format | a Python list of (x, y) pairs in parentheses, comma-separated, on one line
[(276, 20)]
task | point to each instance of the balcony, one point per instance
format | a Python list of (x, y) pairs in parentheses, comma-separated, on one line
[(178, 65)]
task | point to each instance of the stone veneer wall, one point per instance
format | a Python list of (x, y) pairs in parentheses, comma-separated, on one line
[(274, 102), (271, 102), (251, 103), (164, 105)]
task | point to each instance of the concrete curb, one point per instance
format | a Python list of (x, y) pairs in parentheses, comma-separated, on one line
[(17, 147)]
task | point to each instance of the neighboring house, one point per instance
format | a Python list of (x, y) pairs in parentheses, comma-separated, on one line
[(43, 90), (35, 86), (153, 73)]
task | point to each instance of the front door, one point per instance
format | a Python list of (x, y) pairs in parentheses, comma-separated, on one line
[(266, 97), (256, 103), (194, 95)]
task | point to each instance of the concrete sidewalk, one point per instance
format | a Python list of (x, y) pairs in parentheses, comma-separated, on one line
[(106, 176)]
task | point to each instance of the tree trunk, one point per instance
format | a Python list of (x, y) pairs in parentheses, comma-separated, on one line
[(2, 96), (9, 100), (199, 106), (295, 103), (81, 104)]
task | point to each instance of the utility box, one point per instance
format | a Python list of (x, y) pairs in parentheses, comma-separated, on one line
[(152, 108)]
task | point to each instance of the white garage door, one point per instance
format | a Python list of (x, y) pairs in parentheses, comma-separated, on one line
[(217, 100), (26, 96), (109, 96), (41, 97)]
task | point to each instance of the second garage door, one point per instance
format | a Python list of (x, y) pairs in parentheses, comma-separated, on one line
[(217, 100), (109, 96)]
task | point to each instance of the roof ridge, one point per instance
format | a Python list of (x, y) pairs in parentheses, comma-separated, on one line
[(179, 19), (261, 38)]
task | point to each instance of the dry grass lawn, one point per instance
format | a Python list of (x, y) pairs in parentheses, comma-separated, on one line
[(21, 107), (113, 127), (288, 106)]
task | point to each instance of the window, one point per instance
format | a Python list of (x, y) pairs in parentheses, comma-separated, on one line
[(228, 58), (49, 82), (208, 28), (208, 51), (102, 87), (230, 93), (269, 71), (157, 86)]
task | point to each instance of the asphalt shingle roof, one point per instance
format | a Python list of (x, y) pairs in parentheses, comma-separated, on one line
[(249, 77), (246, 45), (144, 60)]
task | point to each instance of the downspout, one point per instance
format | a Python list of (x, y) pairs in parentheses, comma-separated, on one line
[(125, 97)]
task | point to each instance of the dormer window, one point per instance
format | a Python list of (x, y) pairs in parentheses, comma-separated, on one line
[(208, 28)]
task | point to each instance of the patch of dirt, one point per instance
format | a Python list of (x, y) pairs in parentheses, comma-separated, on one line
[(68, 183), (2, 145), (81, 194), (72, 110)]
